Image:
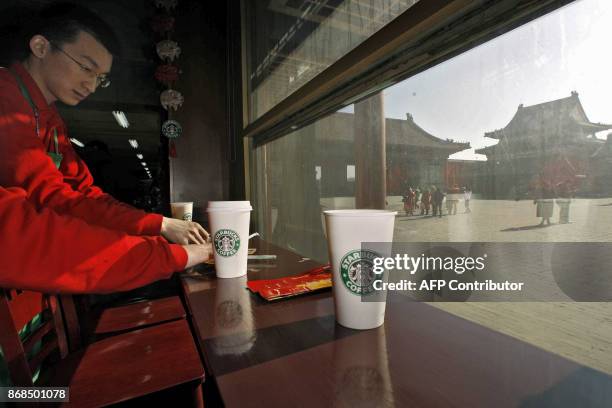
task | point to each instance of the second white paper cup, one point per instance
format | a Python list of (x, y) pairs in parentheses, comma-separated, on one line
[(229, 229), (352, 275), (182, 211)]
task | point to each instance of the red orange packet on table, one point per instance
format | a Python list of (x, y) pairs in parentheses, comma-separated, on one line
[(289, 286)]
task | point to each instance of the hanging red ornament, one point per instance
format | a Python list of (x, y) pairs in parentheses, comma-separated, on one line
[(172, 149), (162, 23), (171, 129), (167, 73)]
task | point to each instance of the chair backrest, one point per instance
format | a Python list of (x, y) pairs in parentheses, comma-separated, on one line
[(24, 356), (72, 321)]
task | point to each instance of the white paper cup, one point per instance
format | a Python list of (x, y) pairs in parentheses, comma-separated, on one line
[(229, 228), (352, 275), (182, 211)]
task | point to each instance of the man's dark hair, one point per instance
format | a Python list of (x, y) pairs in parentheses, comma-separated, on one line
[(61, 23)]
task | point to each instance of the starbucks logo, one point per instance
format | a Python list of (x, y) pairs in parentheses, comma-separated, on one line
[(356, 271), (171, 129), (187, 216), (227, 242)]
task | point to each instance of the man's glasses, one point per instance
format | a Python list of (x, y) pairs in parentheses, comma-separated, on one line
[(102, 80)]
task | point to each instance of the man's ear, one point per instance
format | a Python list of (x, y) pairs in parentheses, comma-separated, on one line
[(39, 46)]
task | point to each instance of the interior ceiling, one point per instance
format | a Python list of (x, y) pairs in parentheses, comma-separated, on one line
[(89, 124), (133, 88)]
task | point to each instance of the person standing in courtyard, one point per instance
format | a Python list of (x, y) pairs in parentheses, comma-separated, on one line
[(409, 200), (452, 198), (425, 202), (437, 199), (449, 201), (544, 201), (467, 196), (564, 200)]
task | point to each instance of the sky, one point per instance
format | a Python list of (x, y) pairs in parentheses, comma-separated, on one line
[(480, 90)]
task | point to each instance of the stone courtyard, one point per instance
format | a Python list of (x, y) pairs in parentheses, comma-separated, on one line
[(508, 221)]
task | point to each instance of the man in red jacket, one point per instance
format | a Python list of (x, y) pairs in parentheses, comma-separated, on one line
[(69, 55), (47, 252)]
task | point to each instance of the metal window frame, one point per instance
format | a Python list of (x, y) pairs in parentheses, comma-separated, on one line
[(426, 34)]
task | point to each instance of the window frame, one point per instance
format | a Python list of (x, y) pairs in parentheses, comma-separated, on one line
[(428, 33)]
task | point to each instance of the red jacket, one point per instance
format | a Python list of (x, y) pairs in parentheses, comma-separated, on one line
[(24, 163), (47, 252)]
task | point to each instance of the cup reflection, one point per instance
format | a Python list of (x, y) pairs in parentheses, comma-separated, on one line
[(233, 318), (361, 367)]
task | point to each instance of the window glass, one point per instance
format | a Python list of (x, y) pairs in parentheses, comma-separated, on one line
[(289, 42), (515, 133)]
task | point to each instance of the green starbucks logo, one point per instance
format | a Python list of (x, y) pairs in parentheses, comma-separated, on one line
[(227, 242), (356, 271)]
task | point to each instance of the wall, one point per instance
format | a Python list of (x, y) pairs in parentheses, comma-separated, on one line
[(201, 172)]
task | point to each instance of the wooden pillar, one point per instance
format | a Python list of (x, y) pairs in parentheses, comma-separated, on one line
[(370, 154), (299, 223)]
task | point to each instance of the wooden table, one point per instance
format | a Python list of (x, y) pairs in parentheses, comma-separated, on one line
[(292, 353)]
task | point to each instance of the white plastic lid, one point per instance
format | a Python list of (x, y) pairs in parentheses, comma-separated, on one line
[(359, 213), (229, 205)]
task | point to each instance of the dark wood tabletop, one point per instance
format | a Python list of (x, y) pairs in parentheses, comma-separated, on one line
[(292, 353)]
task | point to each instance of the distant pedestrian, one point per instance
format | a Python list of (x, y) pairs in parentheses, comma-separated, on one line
[(437, 199), (467, 196), (544, 202), (452, 198), (425, 202), (409, 200), (564, 199)]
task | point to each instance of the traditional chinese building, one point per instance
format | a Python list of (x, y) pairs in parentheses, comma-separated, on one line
[(552, 141), (465, 173), (414, 157), (601, 169)]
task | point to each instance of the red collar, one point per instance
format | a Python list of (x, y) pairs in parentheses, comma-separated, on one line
[(35, 92)]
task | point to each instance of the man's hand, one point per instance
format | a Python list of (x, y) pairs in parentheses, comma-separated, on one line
[(196, 254), (183, 232)]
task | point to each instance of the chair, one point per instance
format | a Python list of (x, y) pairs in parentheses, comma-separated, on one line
[(110, 371), (136, 309), (98, 322), (17, 308)]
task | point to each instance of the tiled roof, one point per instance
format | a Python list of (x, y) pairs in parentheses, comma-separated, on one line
[(399, 132), (547, 116)]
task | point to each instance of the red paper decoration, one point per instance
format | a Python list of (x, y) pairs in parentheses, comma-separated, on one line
[(167, 73), (172, 149), (162, 23)]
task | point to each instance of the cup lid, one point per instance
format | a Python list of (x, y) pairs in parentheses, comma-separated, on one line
[(359, 213), (229, 205)]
